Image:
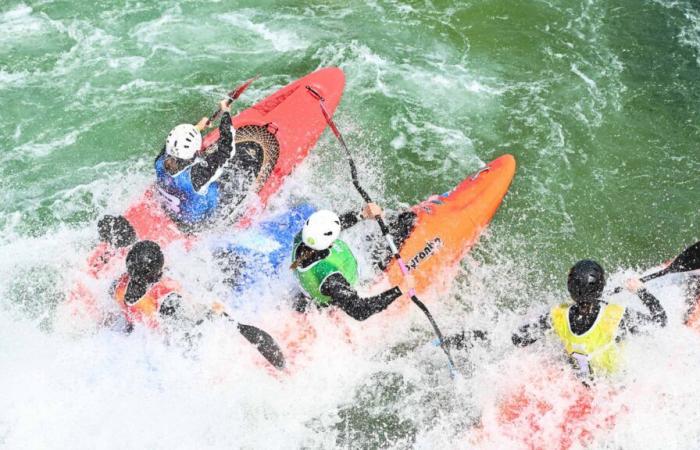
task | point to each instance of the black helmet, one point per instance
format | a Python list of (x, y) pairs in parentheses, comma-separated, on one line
[(116, 231), (586, 281), (145, 261)]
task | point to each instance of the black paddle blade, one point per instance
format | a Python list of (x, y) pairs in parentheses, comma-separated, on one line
[(265, 344), (688, 260)]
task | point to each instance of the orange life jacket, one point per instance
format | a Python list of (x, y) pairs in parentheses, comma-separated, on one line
[(145, 309)]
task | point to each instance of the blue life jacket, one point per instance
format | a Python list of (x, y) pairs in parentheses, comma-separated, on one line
[(262, 251), (179, 197)]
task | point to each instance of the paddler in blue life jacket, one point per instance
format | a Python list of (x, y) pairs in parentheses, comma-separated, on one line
[(327, 269), (188, 184), (591, 328)]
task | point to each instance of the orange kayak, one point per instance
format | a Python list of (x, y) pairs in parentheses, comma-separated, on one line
[(447, 226)]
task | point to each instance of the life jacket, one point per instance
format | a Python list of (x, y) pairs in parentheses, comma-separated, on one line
[(595, 351), (339, 260), (179, 197), (144, 310)]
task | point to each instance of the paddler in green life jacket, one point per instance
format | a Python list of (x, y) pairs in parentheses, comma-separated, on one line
[(591, 328), (327, 269)]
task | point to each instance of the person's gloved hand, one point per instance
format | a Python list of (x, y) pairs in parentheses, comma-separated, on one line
[(371, 211), (225, 106)]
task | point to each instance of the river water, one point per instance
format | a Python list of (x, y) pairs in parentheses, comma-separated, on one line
[(599, 101)]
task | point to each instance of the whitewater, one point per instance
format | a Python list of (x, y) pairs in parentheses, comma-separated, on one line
[(598, 101)]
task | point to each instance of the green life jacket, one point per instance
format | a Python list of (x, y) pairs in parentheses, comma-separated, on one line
[(339, 260)]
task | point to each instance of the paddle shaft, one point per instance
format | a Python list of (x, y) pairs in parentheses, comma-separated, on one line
[(233, 95), (385, 230), (689, 259)]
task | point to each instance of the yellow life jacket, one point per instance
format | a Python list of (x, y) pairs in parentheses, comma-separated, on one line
[(594, 351)]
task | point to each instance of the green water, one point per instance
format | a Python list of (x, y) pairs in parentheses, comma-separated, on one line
[(599, 101)]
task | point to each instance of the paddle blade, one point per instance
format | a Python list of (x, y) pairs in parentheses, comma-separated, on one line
[(265, 344), (238, 91), (688, 260)]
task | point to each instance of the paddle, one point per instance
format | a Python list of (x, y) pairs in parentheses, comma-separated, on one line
[(688, 260), (265, 344), (233, 95), (385, 230)]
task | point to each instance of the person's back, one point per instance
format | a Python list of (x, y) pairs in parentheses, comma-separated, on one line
[(327, 270), (188, 185), (590, 328), (143, 294)]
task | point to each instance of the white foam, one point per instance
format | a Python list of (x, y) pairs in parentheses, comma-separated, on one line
[(281, 40)]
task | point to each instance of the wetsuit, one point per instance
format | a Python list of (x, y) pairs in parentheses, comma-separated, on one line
[(581, 323), (338, 288)]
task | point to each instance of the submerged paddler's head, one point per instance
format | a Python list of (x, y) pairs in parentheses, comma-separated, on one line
[(586, 282), (183, 142), (321, 229), (145, 261)]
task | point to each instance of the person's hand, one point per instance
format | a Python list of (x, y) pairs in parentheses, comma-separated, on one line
[(371, 211), (633, 285), (407, 283), (202, 124), (225, 106)]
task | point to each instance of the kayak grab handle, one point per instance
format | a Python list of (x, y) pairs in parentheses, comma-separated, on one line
[(272, 128), (314, 93), (479, 172)]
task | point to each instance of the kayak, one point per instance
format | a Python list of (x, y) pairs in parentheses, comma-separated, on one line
[(278, 132), (445, 229), (448, 225), (286, 125), (549, 408)]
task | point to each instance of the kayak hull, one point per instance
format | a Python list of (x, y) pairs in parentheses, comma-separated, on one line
[(447, 226)]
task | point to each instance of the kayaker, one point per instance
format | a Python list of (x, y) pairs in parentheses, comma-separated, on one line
[(143, 294), (327, 269), (187, 183), (590, 328)]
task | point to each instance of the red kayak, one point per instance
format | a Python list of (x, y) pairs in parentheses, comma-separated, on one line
[(282, 129)]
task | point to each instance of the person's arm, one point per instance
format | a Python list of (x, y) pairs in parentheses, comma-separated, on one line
[(346, 298), (351, 218), (203, 171), (632, 319), (531, 332), (171, 305)]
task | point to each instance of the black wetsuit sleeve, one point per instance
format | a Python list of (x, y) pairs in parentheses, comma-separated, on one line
[(171, 305), (203, 171), (347, 299), (531, 332), (633, 319), (349, 219)]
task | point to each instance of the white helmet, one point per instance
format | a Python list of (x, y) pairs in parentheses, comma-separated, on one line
[(183, 141), (321, 229)]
